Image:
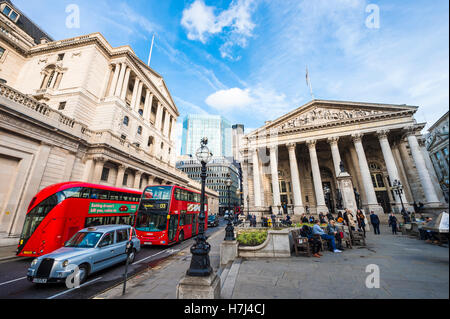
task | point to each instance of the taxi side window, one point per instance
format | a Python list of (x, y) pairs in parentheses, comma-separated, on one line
[(107, 240), (122, 235)]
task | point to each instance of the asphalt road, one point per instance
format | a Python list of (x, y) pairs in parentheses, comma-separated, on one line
[(14, 284)]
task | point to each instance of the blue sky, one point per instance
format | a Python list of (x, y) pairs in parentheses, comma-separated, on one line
[(246, 59)]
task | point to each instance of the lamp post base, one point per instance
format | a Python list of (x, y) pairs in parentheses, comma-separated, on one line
[(199, 287)]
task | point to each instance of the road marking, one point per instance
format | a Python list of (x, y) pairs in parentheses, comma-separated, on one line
[(72, 289), (170, 251), (7, 282)]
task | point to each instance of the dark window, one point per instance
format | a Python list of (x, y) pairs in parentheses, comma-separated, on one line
[(139, 130), (62, 106), (126, 120), (150, 141), (182, 221), (108, 239), (125, 179), (123, 137), (100, 194), (6, 10), (13, 15), (37, 214), (122, 235), (61, 57), (105, 174), (141, 112), (2, 51)]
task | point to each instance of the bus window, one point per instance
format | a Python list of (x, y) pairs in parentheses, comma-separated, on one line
[(37, 214), (177, 194), (182, 221), (114, 196), (70, 193), (85, 192), (100, 194), (158, 192)]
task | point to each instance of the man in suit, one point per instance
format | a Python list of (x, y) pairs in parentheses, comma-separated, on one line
[(375, 221), (393, 223)]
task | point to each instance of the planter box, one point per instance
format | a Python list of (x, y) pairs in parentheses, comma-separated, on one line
[(277, 244)]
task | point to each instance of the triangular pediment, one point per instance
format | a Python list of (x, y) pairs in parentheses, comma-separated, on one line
[(318, 113)]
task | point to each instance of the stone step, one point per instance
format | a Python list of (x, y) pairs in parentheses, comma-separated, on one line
[(230, 281)]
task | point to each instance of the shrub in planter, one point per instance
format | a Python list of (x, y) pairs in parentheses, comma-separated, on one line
[(252, 238)]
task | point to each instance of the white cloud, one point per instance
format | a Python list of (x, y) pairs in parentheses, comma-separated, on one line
[(258, 103), (235, 24)]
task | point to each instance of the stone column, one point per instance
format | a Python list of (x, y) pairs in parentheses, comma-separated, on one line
[(336, 155), (115, 78), (137, 179), (123, 95), (119, 86), (135, 90), (274, 173), (256, 179), (431, 170), (424, 176), (245, 167), (365, 174), (318, 187), (52, 84), (295, 178), (138, 97), (98, 168), (158, 116), (120, 172), (174, 123), (148, 105), (390, 164)]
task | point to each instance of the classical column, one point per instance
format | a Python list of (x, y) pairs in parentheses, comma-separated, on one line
[(151, 181), (318, 187), (390, 163), (295, 178), (137, 179), (256, 180), (245, 167), (98, 168), (335, 153), (431, 171), (55, 75), (120, 172), (365, 174), (115, 78), (119, 86), (166, 124), (138, 97), (123, 95), (274, 173), (158, 116), (148, 105), (135, 91), (174, 123), (422, 170)]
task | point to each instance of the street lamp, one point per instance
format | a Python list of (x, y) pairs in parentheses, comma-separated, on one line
[(229, 230), (398, 189), (200, 264)]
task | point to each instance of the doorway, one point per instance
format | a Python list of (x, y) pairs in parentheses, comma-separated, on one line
[(328, 194)]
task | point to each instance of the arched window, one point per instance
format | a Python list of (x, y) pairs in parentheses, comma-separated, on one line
[(126, 120), (141, 112), (139, 130)]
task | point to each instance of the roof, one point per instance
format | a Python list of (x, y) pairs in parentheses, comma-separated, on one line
[(28, 26)]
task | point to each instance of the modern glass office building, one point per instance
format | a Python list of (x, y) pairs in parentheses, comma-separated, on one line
[(216, 128)]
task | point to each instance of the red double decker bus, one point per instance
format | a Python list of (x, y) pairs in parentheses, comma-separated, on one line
[(168, 215), (57, 212)]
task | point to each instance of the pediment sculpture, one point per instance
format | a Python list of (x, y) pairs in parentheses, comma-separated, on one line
[(323, 115)]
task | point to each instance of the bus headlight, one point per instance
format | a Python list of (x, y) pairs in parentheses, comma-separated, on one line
[(65, 263), (34, 262)]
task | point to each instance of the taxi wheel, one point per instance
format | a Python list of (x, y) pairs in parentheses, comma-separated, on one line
[(132, 257), (83, 273)]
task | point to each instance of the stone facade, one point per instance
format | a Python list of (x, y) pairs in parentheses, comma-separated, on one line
[(436, 142), (330, 155), (80, 110)]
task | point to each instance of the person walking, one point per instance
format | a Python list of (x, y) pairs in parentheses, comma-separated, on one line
[(393, 223), (361, 221), (375, 221)]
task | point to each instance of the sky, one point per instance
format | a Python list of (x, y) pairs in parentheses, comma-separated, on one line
[(246, 59)]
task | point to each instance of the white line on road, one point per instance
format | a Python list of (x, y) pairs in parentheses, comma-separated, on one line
[(72, 289), (7, 282)]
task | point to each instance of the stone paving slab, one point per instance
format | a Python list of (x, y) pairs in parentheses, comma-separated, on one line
[(409, 268)]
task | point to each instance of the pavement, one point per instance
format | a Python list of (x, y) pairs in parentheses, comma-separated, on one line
[(408, 268), (8, 252)]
